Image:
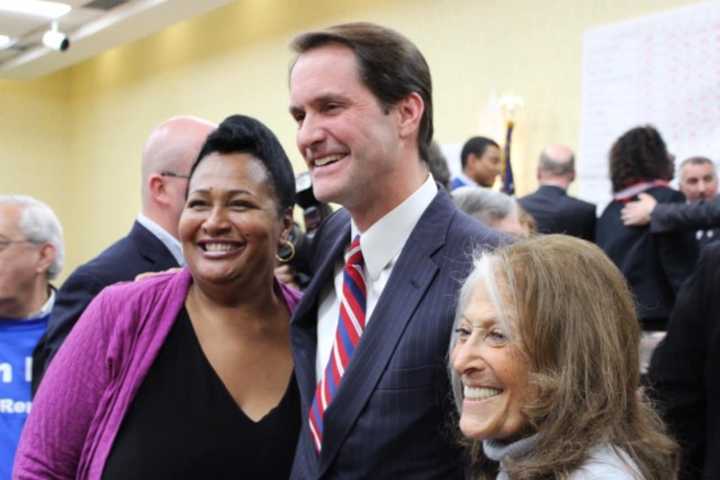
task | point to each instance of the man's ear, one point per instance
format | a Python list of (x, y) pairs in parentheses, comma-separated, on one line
[(410, 111), (157, 188), (470, 164), (46, 257)]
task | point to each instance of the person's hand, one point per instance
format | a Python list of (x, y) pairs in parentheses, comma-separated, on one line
[(638, 212), (286, 275)]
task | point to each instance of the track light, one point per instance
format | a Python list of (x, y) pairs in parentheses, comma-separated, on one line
[(5, 42), (56, 39), (36, 8)]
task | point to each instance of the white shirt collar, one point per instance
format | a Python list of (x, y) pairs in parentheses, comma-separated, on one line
[(172, 243), (46, 308), (468, 181), (385, 239)]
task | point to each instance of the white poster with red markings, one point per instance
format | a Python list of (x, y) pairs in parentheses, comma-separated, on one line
[(662, 69)]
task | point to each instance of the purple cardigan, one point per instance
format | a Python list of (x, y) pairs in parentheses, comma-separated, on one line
[(91, 382)]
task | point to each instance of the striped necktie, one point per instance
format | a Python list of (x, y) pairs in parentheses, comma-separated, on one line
[(351, 325)]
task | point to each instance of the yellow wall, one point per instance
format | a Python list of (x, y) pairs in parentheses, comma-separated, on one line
[(34, 120), (35, 117), (74, 138)]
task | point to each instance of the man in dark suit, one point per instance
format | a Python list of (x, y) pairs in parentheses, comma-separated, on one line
[(151, 245), (552, 208), (683, 370), (361, 96), (699, 182)]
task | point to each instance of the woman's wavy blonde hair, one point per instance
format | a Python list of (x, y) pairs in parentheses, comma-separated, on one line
[(574, 319)]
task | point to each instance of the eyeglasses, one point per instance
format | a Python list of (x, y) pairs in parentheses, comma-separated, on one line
[(167, 173), (6, 243)]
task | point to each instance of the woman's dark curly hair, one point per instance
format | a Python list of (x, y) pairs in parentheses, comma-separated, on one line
[(639, 155)]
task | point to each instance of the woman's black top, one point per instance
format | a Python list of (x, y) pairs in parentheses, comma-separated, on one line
[(183, 423)]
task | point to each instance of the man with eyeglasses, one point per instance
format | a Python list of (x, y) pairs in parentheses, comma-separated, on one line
[(151, 245), (31, 254)]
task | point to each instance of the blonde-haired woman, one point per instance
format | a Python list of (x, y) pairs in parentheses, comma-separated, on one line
[(545, 371)]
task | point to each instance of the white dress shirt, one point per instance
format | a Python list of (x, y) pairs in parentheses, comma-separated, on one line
[(172, 243), (381, 246)]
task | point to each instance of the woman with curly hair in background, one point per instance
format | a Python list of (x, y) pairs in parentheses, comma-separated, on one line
[(655, 265)]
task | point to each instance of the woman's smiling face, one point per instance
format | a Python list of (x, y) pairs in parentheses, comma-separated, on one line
[(230, 228), (493, 371)]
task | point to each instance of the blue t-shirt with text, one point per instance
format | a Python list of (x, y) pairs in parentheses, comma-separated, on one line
[(17, 341)]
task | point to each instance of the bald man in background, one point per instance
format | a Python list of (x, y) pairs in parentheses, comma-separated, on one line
[(152, 244), (552, 208)]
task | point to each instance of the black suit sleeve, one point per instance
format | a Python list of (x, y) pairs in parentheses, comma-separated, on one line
[(677, 251), (72, 299), (668, 217), (677, 368), (678, 254)]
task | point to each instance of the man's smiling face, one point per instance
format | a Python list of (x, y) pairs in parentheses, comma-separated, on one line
[(348, 139)]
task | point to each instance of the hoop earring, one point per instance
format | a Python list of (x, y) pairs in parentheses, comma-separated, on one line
[(286, 252)]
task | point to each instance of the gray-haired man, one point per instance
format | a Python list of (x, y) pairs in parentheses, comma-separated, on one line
[(31, 254)]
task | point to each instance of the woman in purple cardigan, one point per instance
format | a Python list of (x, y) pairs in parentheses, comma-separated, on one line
[(188, 374)]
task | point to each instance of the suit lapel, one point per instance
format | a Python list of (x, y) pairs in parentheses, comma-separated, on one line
[(151, 248), (411, 277)]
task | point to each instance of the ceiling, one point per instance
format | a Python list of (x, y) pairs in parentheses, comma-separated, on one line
[(92, 26)]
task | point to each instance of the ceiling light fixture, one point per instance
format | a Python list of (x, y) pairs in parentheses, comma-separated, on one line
[(5, 42), (39, 8), (56, 39)]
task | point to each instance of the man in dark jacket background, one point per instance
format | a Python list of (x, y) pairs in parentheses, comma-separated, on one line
[(552, 208), (151, 245)]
